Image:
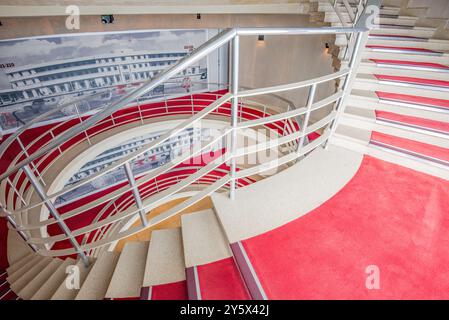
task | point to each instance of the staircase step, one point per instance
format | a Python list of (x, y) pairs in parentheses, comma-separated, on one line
[(405, 50), (39, 280), (409, 42), (19, 264), (23, 269), (413, 128), (418, 149), (165, 276), (65, 293), (435, 84), (391, 33), (414, 101), (371, 83), (208, 258), (370, 67), (368, 100), (28, 276), (127, 279), (99, 277), (418, 65), (420, 123), (47, 290), (408, 55)]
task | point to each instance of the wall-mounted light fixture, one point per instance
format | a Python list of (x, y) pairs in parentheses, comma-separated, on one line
[(261, 37), (107, 18), (198, 16)]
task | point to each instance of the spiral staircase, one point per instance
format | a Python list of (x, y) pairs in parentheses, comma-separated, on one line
[(280, 236)]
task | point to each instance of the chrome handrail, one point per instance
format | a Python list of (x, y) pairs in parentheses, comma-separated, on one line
[(229, 36)]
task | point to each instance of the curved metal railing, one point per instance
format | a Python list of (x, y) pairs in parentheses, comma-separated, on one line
[(24, 182)]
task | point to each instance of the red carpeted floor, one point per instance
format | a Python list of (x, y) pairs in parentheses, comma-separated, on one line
[(388, 216), (170, 291), (220, 280)]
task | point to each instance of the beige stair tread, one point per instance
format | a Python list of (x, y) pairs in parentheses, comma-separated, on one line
[(165, 259), (28, 276), (359, 112), (354, 133), (22, 270), (64, 293), (203, 238), (20, 263), (38, 281), (50, 286), (97, 281), (127, 279)]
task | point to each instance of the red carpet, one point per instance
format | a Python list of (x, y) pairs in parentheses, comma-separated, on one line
[(429, 124), (220, 280), (402, 48), (406, 98), (170, 291), (411, 63), (388, 216), (412, 145), (3, 243), (412, 80)]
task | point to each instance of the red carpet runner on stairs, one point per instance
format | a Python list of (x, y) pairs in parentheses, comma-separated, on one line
[(388, 216)]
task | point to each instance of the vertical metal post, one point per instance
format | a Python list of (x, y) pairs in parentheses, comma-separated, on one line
[(54, 213), (362, 37), (13, 223), (310, 99), (136, 193), (25, 151), (234, 112)]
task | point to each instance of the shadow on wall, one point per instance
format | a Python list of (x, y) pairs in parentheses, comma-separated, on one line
[(282, 59)]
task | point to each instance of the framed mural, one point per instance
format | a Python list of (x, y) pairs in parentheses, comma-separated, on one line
[(41, 73)]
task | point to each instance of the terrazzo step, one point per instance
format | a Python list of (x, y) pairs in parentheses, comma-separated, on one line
[(210, 269), (332, 17), (63, 292), (425, 125), (371, 67), (24, 268), (30, 274), (164, 276), (20, 263), (409, 42), (439, 85), (326, 6), (399, 34), (413, 128), (127, 280), (416, 65), (417, 149), (405, 54), (48, 289), (413, 101), (359, 140), (369, 100), (424, 90), (99, 277), (39, 280)]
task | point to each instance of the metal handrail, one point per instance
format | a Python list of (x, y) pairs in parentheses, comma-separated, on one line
[(230, 36)]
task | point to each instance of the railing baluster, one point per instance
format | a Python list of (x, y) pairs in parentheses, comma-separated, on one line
[(136, 193), (54, 213), (310, 99), (234, 112)]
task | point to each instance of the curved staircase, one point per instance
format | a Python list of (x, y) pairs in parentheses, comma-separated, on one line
[(304, 232)]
